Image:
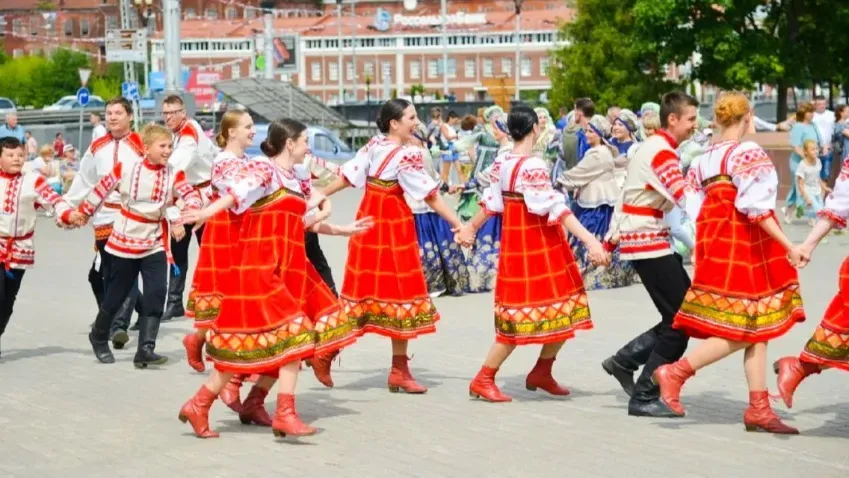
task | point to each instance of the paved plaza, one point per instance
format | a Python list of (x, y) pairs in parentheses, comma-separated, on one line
[(64, 415)]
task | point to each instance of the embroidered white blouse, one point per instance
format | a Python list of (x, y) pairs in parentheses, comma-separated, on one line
[(420, 206), (405, 166), (532, 181), (837, 202), (260, 177), (595, 178)]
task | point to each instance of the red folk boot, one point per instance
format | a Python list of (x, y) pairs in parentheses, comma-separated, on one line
[(791, 371), (321, 368), (400, 377), (759, 416), (194, 352), (196, 412), (253, 408), (540, 377), (286, 420), (670, 378), (483, 386), (230, 393)]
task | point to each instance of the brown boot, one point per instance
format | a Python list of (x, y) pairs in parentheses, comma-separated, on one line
[(670, 378), (194, 352), (540, 377), (253, 408), (483, 386), (791, 371), (286, 420), (400, 377), (321, 368), (759, 416), (230, 393), (196, 412)]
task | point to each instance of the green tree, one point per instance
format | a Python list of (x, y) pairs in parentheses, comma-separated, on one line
[(604, 59)]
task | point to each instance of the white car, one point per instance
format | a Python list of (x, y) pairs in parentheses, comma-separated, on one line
[(7, 106), (70, 102)]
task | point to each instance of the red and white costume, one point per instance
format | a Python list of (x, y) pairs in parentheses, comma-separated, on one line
[(194, 154)]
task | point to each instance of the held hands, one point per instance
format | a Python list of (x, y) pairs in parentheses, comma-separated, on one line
[(357, 227), (193, 216), (75, 220), (597, 254), (465, 235), (800, 255), (457, 188)]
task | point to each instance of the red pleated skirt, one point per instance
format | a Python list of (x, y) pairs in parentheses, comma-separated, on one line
[(277, 309), (829, 345), (539, 292), (215, 259), (384, 289), (744, 288)]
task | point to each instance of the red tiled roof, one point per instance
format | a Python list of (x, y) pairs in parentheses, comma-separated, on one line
[(6, 5)]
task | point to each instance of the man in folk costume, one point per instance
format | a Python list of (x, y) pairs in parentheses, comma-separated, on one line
[(653, 186), (193, 154), (118, 145)]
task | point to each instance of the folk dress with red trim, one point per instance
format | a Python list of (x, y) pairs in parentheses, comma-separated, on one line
[(193, 154), (744, 288), (384, 289), (22, 195), (539, 292), (278, 309), (829, 344), (220, 238), (145, 191)]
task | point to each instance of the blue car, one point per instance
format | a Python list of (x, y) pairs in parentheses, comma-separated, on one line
[(322, 143)]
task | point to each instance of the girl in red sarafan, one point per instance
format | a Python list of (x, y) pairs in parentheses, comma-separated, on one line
[(276, 310), (216, 251), (384, 288), (745, 291), (829, 346), (539, 292)]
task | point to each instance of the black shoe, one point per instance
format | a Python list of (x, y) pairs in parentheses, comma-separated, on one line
[(174, 305), (101, 349), (623, 375), (654, 408), (135, 327), (120, 339), (146, 356), (629, 358), (173, 311)]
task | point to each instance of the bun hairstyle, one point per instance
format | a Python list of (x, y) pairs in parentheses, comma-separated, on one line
[(730, 109), (279, 132), (391, 110), (521, 121), (229, 120)]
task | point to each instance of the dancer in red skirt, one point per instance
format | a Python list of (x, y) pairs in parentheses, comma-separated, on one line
[(384, 289), (829, 346), (276, 310), (539, 292), (745, 291), (220, 235)]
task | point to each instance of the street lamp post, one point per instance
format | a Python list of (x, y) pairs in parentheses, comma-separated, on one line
[(145, 19), (444, 9), (518, 5), (268, 37), (171, 25), (339, 60)]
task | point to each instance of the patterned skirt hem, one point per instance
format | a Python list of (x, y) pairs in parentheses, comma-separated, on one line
[(559, 336), (337, 338), (809, 357), (398, 320), (269, 367), (698, 327), (400, 333)]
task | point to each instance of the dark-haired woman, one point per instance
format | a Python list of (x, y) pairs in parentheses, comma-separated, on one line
[(384, 289), (539, 294), (277, 311), (216, 252)]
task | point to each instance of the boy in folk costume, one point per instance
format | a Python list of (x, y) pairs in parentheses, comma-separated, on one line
[(120, 144), (654, 185), (139, 242), (193, 154), (22, 194)]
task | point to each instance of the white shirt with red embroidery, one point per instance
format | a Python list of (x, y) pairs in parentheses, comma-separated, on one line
[(224, 167), (97, 162), (193, 153), (21, 193), (405, 166), (532, 182), (323, 172), (751, 171), (837, 202), (261, 177), (145, 191)]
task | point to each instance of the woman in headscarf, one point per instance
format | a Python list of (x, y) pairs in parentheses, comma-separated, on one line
[(647, 109), (624, 130), (483, 145), (549, 140), (594, 182)]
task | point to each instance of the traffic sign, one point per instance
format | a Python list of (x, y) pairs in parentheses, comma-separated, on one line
[(85, 73), (130, 90), (82, 96), (126, 46)]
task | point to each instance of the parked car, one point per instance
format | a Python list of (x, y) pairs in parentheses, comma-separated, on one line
[(7, 106), (70, 103), (322, 143)]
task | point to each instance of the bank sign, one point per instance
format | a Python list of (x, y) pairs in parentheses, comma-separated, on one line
[(459, 18)]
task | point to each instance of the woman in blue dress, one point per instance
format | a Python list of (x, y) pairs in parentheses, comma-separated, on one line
[(803, 130)]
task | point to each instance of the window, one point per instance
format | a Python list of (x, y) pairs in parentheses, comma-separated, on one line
[(17, 26), (386, 71), (17, 53), (249, 14), (470, 96), (111, 22), (315, 71), (507, 66), (323, 144), (368, 69), (69, 28), (452, 68), (526, 66), (415, 70), (235, 71), (470, 68), (333, 74), (349, 70), (543, 66), (211, 13), (191, 13), (432, 68), (84, 28), (487, 68), (230, 13), (34, 26)]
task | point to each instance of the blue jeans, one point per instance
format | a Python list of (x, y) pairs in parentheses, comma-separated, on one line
[(792, 198), (826, 160)]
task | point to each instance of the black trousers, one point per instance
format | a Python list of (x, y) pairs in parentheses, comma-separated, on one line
[(123, 315), (123, 274), (316, 257), (10, 284), (180, 249), (667, 282)]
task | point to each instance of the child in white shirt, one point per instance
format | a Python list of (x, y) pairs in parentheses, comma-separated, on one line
[(808, 182)]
